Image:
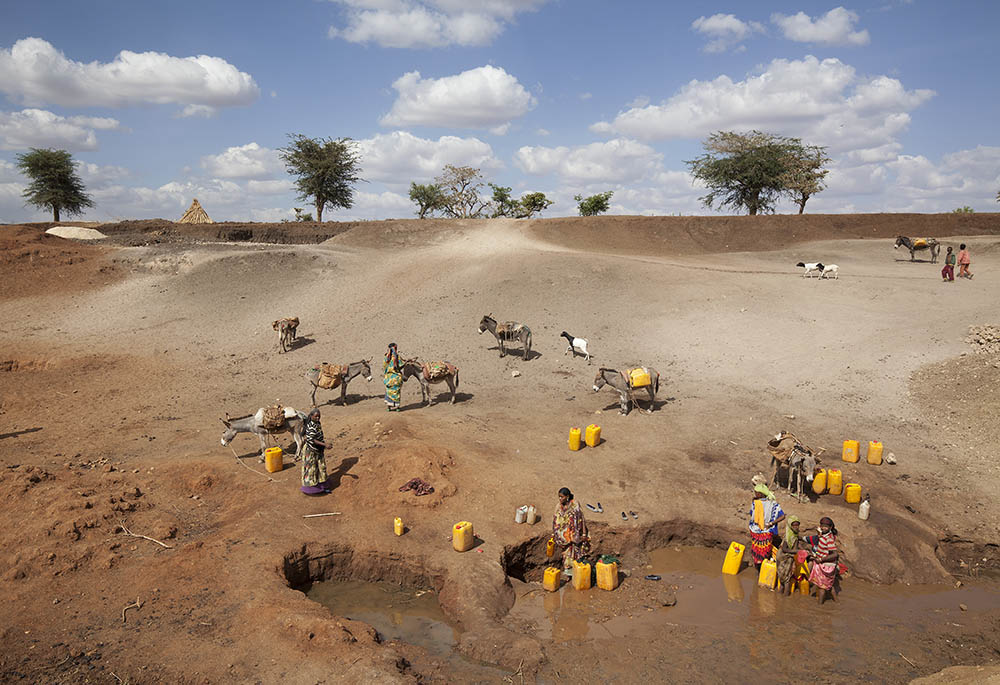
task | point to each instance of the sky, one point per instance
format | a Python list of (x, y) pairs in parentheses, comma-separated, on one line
[(164, 102)]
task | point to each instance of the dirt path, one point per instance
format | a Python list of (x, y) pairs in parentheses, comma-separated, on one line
[(111, 391)]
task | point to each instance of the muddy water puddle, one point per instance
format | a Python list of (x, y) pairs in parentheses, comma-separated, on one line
[(404, 615), (737, 625)]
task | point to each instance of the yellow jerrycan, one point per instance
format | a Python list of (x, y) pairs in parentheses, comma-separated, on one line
[(581, 576), (273, 461), (768, 576), (607, 575), (852, 450), (734, 557), (574, 439), (553, 576), (462, 536), (874, 452), (834, 481), (397, 526), (852, 493), (550, 547), (593, 435), (819, 482)]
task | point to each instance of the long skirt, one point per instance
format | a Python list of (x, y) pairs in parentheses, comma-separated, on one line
[(393, 384), (575, 551), (786, 567), (760, 545), (823, 575), (314, 478)]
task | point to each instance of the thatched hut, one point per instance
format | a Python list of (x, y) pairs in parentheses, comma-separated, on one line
[(195, 215)]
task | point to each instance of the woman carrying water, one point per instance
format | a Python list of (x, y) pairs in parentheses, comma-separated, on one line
[(825, 557), (787, 553), (314, 478), (765, 515), (392, 377), (569, 529)]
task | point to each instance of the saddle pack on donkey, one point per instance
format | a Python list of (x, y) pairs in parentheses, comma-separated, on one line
[(330, 375), (509, 329), (273, 417), (638, 377), (920, 242), (437, 370)]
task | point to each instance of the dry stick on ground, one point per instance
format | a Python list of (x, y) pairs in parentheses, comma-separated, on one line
[(329, 513), (136, 605), (126, 531), (907, 660), (247, 467)]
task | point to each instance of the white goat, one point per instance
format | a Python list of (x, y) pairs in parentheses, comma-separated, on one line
[(811, 267), (576, 345), (831, 269)]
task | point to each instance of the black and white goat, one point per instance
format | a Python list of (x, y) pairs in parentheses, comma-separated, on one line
[(831, 271), (576, 345), (810, 267)]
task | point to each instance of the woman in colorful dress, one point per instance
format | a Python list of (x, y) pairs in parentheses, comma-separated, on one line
[(787, 554), (569, 529), (825, 557), (314, 478), (392, 377), (765, 515)]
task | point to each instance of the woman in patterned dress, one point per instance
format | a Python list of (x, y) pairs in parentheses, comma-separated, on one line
[(825, 558), (569, 529), (314, 478), (392, 377), (765, 515)]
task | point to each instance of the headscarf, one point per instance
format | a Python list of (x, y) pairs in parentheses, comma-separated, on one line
[(829, 521), (392, 357), (763, 489), (791, 537)]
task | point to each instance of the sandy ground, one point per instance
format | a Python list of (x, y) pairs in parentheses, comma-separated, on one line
[(118, 363)]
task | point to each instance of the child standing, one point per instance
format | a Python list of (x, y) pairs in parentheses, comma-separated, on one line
[(964, 260), (948, 272)]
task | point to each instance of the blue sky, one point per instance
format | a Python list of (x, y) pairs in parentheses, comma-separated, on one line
[(163, 102)]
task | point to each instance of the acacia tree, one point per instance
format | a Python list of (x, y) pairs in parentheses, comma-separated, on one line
[(533, 203), (595, 204), (326, 170), (460, 187), (429, 198), (54, 182), (744, 170), (505, 205), (804, 174)]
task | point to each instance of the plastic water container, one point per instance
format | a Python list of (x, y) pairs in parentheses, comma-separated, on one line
[(552, 579), (532, 517), (593, 435), (819, 482), (834, 481), (852, 450), (273, 461), (574, 439), (397, 526), (521, 515), (852, 493), (581, 576), (768, 576), (734, 557), (874, 452), (802, 574), (607, 575), (462, 536), (550, 547), (865, 508)]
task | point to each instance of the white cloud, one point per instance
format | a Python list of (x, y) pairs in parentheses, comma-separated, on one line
[(98, 176), (244, 161), (614, 161), (836, 27), (725, 31), (543, 132), (272, 187), (41, 128), (400, 157), (8, 172), (825, 102), (586, 96), (203, 111), (34, 72), (481, 98), (428, 23)]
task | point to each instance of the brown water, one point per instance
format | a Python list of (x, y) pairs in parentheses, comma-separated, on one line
[(742, 632), (404, 615)]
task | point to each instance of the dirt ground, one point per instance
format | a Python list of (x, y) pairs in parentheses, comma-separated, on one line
[(119, 359)]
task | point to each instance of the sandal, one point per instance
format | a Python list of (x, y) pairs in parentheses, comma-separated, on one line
[(635, 516), (600, 509), (653, 576), (624, 517), (592, 507)]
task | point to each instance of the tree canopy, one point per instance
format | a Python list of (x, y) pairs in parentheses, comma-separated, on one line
[(750, 171), (529, 203), (326, 170), (429, 198), (595, 204), (54, 182), (460, 187)]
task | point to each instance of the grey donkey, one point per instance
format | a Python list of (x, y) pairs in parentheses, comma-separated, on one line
[(354, 369), (799, 460), (295, 422), (617, 380), (414, 369), (508, 331)]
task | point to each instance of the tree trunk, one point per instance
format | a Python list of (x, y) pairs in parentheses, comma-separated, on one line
[(319, 211), (803, 198), (55, 213)]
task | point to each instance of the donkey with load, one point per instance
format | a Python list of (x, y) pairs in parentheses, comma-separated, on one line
[(788, 453), (332, 376), (267, 421)]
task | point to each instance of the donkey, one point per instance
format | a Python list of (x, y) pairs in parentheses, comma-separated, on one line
[(348, 373), (932, 244), (619, 381), (295, 422), (414, 369), (799, 460), (287, 329), (507, 332)]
